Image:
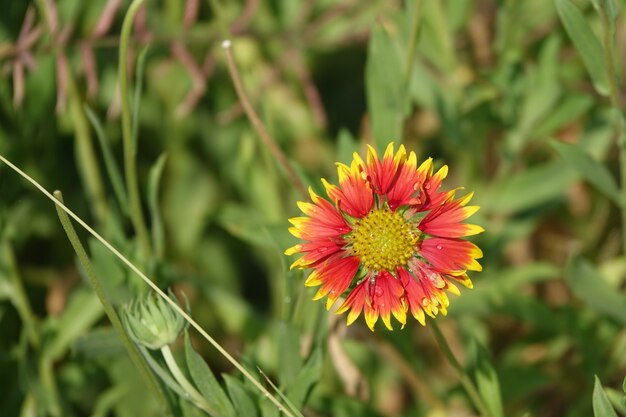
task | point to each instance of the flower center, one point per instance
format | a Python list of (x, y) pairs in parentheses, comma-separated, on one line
[(384, 240)]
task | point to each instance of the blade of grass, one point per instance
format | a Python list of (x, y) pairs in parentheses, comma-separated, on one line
[(141, 65), (109, 162)]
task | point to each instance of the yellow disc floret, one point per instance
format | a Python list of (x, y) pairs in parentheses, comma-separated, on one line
[(384, 240)]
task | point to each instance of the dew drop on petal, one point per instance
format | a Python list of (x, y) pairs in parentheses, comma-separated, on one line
[(439, 247), (378, 292)]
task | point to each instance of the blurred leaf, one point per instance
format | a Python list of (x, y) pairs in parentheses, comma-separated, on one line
[(154, 181), (244, 223), (601, 405), (99, 343), (308, 376), (486, 380), (530, 188), (205, 382), (190, 194), (387, 100), (82, 312), (112, 169), (586, 43), (571, 108), (593, 171), (241, 399), (288, 354), (591, 288), (346, 146), (111, 272), (611, 9)]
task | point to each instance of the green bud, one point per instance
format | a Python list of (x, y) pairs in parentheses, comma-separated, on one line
[(152, 322)]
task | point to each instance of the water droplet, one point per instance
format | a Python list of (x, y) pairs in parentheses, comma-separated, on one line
[(378, 292), (322, 249), (439, 247), (427, 186)]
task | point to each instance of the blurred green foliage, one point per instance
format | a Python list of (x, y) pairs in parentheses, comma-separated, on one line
[(512, 95)]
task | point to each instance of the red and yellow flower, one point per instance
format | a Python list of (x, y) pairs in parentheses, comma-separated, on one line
[(390, 239)]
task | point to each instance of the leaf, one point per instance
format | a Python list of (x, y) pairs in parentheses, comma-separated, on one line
[(109, 162), (586, 43), (487, 381), (593, 171), (244, 405), (346, 146), (154, 181), (289, 353), (82, 312), (206, 383), (387, 100), (547, 182), (588, 285), (99, 343), (601, 405), (308, 376)]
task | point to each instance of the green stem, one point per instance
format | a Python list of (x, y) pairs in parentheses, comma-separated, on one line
[(620, 128), (411, 47), (109, 309), (130, 151), (257, 124), (194, 395), (466, 381), (50, 389)]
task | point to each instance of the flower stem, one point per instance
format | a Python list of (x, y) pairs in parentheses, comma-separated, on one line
[(130, 149), (109, 309), (466, 381), (267, 139), (620, 123), (178, 375)]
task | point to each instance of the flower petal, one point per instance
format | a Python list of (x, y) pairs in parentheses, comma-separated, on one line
[(334, 275), (445, 220), (451, 256)]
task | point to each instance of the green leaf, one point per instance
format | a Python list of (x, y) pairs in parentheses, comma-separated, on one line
[(244, 405), (308, 376), (586, 43), (206, 383), (346, 146), (387, 100), (289, 353), (547, 183), (487, 381), (154, 181), (591, 287), (99, 343), (82, 312), (601, 405), (593, 171), (109, 162)]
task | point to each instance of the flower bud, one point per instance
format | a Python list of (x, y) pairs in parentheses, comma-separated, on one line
[(152, 322)]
